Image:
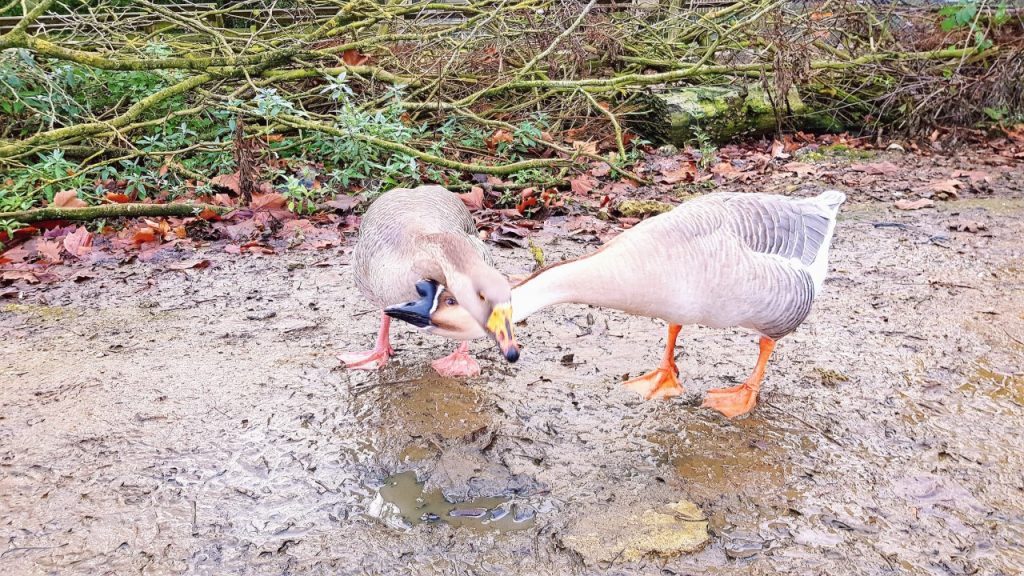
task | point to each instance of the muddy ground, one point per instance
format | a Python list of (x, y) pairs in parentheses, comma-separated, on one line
[(158, 421)]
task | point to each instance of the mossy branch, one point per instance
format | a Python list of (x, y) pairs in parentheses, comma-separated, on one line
[(111, 211)]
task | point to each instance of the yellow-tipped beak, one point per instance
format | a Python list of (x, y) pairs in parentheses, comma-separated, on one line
[(499, 325)]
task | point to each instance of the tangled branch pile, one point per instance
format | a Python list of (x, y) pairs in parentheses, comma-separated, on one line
[(376, 94)]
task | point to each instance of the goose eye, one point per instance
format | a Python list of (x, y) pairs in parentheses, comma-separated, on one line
[(481, 295), (450, 301)]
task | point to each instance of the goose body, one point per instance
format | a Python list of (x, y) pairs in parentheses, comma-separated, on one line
[(723, 260), (413, 242)]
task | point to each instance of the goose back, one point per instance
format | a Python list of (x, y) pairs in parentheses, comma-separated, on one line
[(391, 240)]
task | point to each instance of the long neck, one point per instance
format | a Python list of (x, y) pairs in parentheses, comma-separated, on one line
[(586, 280)]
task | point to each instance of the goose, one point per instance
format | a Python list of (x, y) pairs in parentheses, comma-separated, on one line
[(415, 244), (722, 260)]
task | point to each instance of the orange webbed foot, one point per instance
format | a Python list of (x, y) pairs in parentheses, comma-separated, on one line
[(661, 383), (733, 401), (372, 360), (458, 364)]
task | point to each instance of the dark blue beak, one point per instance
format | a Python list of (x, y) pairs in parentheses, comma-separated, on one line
[(416, 312)]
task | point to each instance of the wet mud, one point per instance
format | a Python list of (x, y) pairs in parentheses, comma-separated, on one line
[(158, 421)]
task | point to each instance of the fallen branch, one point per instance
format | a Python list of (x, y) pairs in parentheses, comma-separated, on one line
[(111, 211)]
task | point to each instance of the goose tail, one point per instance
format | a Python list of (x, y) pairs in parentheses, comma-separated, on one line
[(829, 201)]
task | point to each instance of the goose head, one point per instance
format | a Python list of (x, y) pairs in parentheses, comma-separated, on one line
[(463, 309)]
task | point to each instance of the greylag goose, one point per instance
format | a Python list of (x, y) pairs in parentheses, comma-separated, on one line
[(723, 260), (415, 244)]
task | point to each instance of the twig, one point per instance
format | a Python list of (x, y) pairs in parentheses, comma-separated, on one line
[(110, 211)]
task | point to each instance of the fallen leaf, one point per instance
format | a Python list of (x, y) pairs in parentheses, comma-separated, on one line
[(145, 235), (68, 199), (15, 275), (684, 172), (49, 249), (209, 214), (509, 236), (799, 168), (946, 187), (498, 137), (914, 204), (117, 198), (188, 264), (582, 184), (345, 203), (79, 242), (474, 199), (779, 150), (876, 168), (272, 203), (600, 169), (585, 147), (354, 57), (10, 293), (229, 181), (16, 254)]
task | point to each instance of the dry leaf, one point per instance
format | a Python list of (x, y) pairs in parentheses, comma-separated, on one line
[(344, 203), (582, 184), (914, 204), (946, 187), (50, 250), (117, 198), (474, 199), (354, 57), (79, 242), (68, 199), (187, 264), (585, 147), (498, 137), (683, 173), (228, 181), (876, 168), (799, 168)]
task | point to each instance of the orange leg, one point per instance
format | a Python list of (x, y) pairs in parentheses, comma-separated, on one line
[(376, 358), (738, 400), (662, 382)]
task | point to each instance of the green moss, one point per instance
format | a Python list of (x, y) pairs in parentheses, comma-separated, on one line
[(44, 312), (641, 208), (836, 151)]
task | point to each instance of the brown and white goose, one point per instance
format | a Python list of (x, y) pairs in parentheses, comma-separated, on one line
[(723, 260), (414, 244)]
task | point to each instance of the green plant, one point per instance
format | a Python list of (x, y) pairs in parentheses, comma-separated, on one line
[(708, 149), (302, 199)]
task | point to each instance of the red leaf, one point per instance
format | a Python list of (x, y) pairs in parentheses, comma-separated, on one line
[(208, 214), (118, 198), (79, 242), (474, 199), (582, 184), (144, 235), (68, 199)]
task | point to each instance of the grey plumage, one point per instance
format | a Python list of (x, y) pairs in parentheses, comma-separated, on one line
[(395, 248)]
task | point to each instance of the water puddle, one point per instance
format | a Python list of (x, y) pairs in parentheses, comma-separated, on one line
[(402, 503)]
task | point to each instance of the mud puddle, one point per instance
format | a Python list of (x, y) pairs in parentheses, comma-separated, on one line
[(403, 502)]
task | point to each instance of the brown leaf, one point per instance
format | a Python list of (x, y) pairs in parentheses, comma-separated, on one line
[(498, 137), (16, 254), (345, 203), (876, 168), (582, 184), (946, 187), (187, 264), (209, 214), (914, 204), (474, 199), (68, 199), (585, 147), (145, 235), (600, 169), (49, 249), (682, 173), (779, 150), (973, 176), (354, 57), (273, 204), (117, 198), (230, 182), (79, 242), (15, 275), (799, 168)]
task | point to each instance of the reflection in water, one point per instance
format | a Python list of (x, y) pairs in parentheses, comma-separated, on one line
[(402, 503)]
